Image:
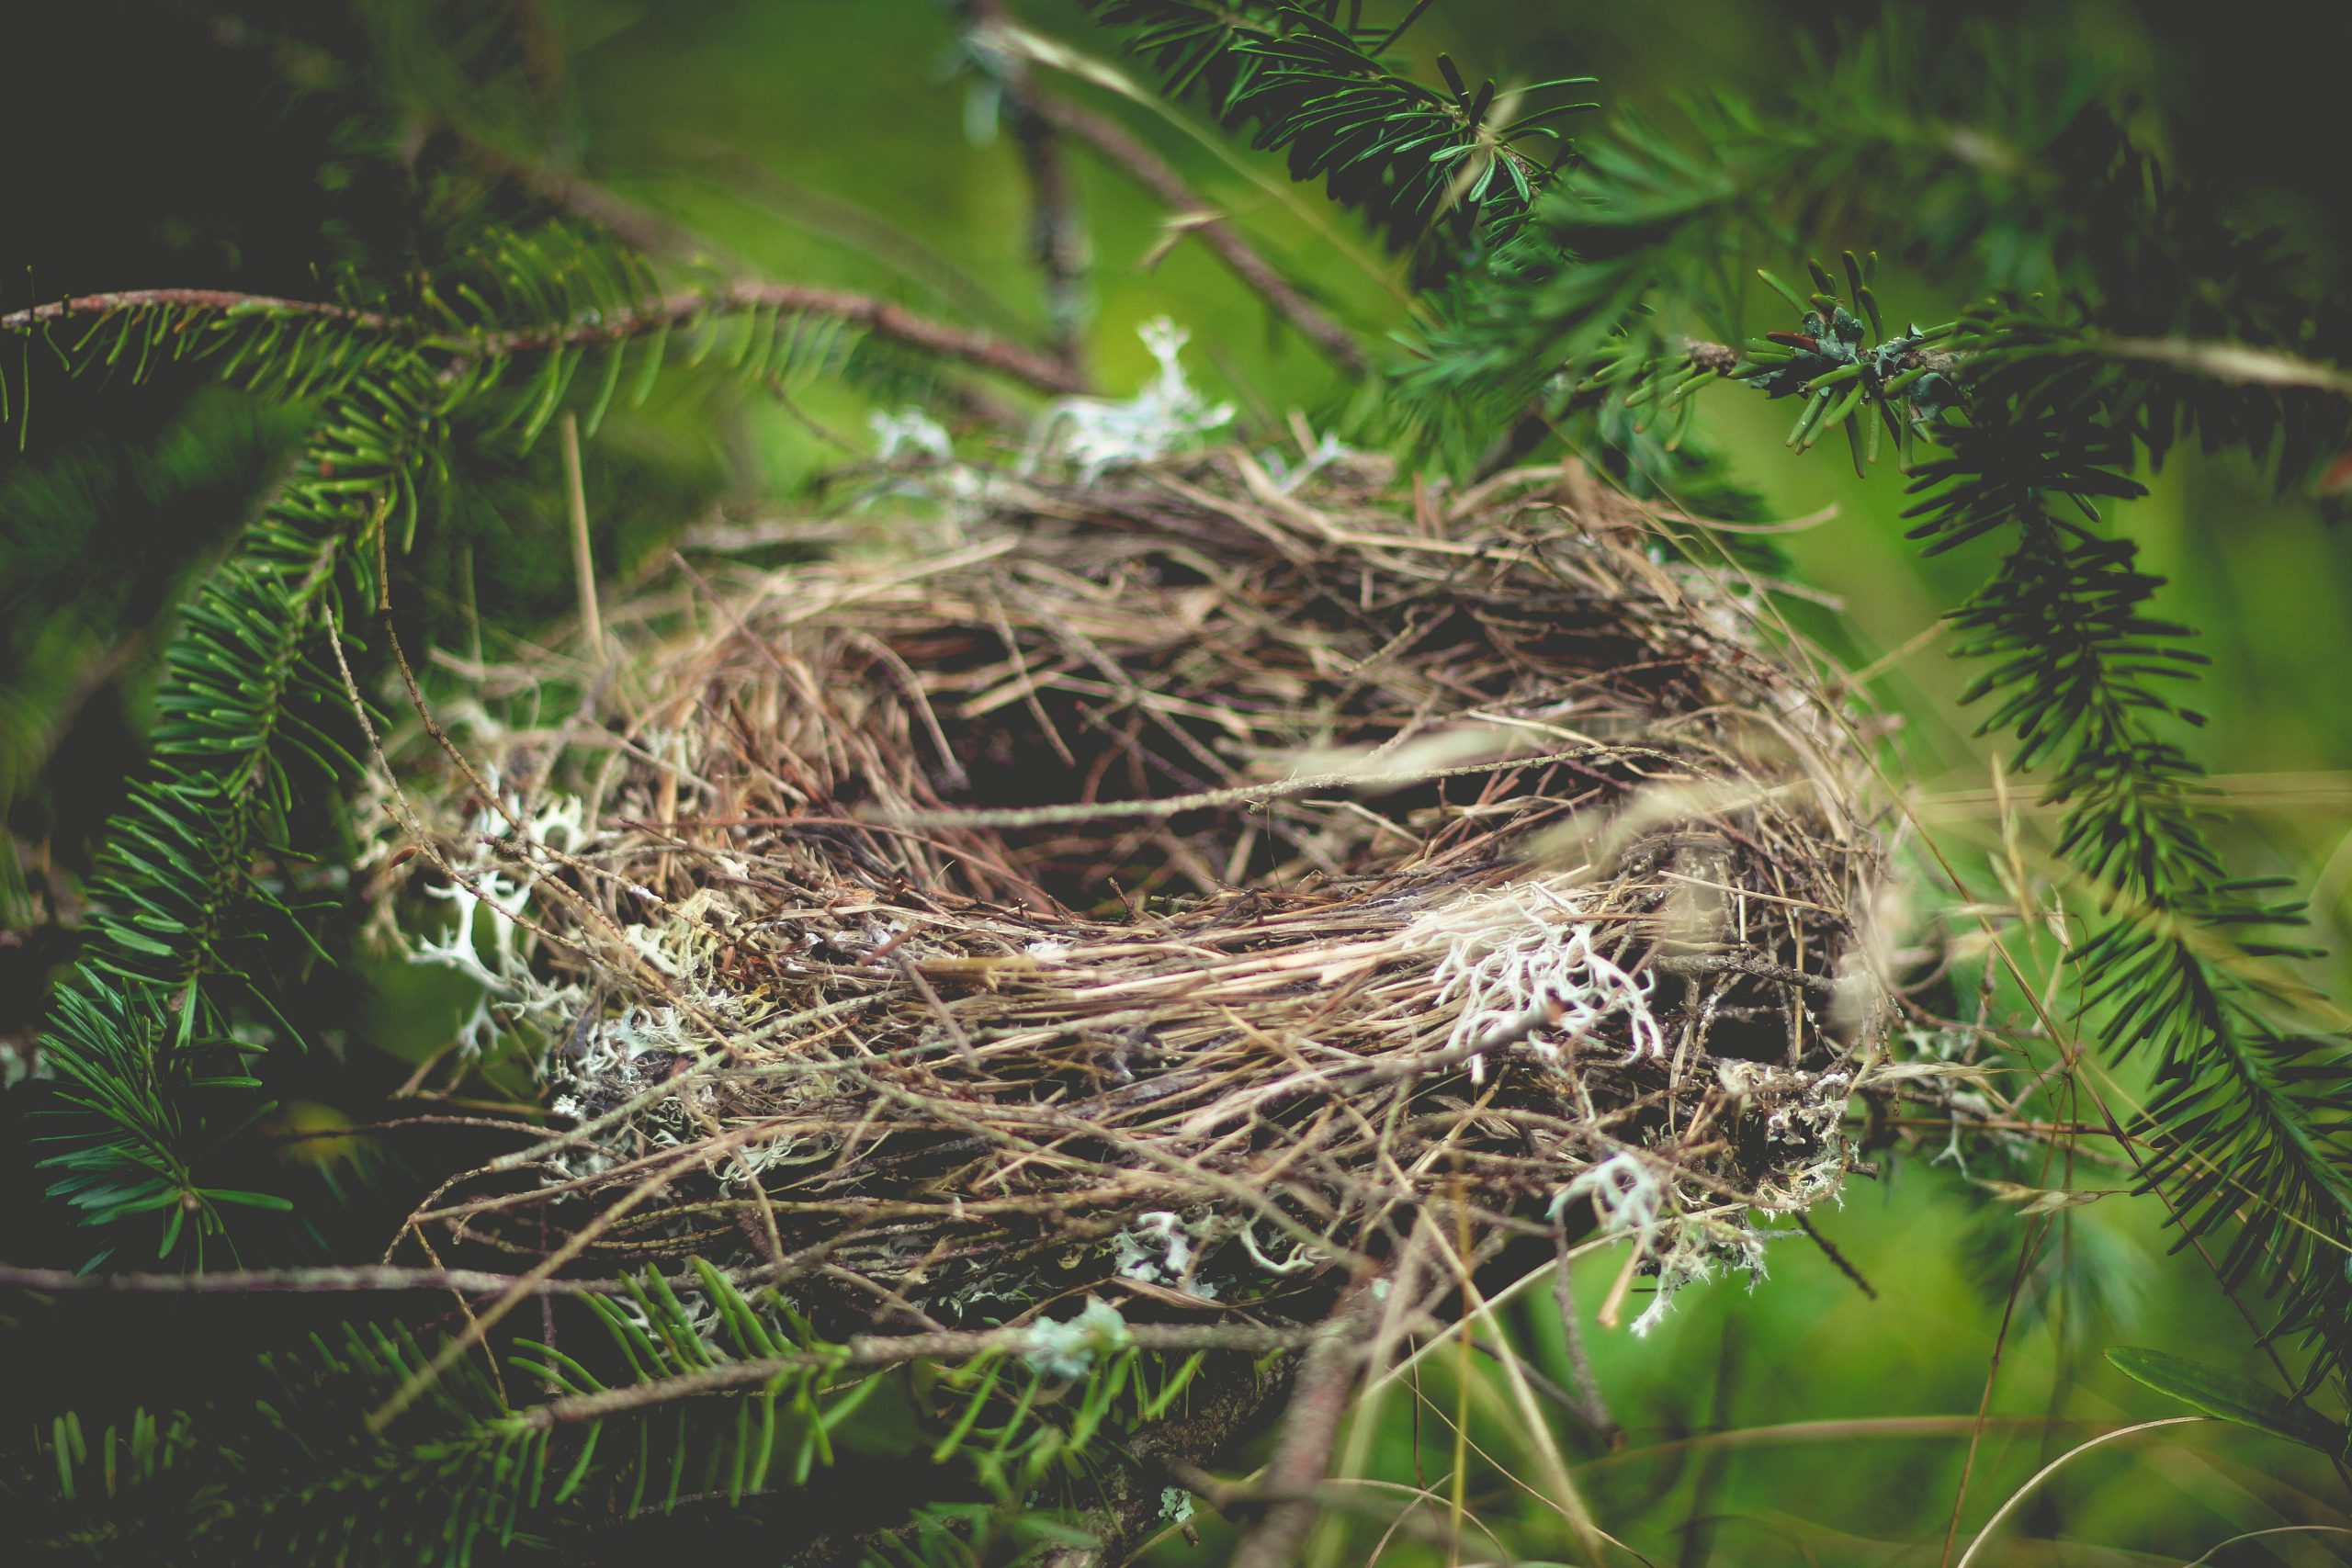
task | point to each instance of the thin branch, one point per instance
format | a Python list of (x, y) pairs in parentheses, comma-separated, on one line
[(864, 233), (2236, 363), (2042, 1474), (1152, 172), (895, 1349), (1743, 963), (638, 228), (1220, 1408), (1057, 233), (879, 316), (300, 1282), (82, 305), (1587, 1405)]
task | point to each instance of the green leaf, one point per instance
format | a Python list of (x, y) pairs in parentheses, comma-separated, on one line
[(250, 1200), (2228, 1395)]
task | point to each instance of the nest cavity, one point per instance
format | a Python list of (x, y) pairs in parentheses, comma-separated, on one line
[(1181, 885)]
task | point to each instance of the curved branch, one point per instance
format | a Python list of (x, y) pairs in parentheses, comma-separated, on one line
[(82, 305), (1321, 1396), (330, 1281), (879, 316)]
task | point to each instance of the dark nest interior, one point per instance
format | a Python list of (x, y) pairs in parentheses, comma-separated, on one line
[(1185, 888)]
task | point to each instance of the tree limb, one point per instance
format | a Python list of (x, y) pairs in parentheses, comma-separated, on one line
[(894, 1350), (108, 304), (879, 316), (297, 1282)]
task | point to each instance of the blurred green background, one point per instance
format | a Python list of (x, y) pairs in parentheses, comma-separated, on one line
[(831, 140)]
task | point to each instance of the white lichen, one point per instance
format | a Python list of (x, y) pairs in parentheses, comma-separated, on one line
[(1156, 1249), (489, 894), (19, 1062), (1068, 1350), (1683, 1239), (1095, 435), (908, 430), (1526, 948), (1328, 449), (1301, 1255)]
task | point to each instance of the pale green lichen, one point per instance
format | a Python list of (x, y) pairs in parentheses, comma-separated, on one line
[(1095, 435), (1068, 1350)]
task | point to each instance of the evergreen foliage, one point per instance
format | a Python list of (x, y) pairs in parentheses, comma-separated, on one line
[(1426, 167), (2026, 413), (201, 882), (1589, 300), (700, 1395)]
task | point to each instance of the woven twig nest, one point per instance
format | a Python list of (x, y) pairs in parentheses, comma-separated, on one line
[(1175, 886)]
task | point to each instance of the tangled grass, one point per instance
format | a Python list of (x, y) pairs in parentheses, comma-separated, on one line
[(1187, 887)]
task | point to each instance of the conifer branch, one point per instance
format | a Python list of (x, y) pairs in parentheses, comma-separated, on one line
[(1425, 166), (368, 1278), (224, 301), (880, 317), (155, 1033), (720, 1393), (2030, 416), (873, 1350), (140, 1036), (591, 329)]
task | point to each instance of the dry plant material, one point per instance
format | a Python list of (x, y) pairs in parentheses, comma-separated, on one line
[(1171, 888)]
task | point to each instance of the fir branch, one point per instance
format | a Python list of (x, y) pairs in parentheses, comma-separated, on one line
[(172, 314), (87, 307), (2036, 189), (328, 1280), (716, 1394), (2036, 423), (143, 1036), (872, 1350), (880, 317), (2283, 406), (156, 1032), (2167, 322), (2249, 1123), (1426, 167)]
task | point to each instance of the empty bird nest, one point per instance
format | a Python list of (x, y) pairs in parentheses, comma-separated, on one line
[(1178, 886)]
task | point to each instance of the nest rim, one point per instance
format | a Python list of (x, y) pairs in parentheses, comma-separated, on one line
[(974, 966)]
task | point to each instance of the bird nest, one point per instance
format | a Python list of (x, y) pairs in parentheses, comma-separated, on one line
[(1178, 886)]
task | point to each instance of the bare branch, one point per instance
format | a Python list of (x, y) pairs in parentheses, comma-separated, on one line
[(879, 316), (1152, 172), (1057, 235)]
